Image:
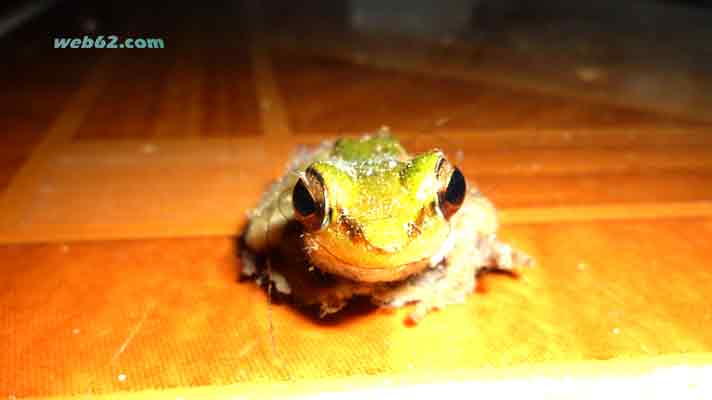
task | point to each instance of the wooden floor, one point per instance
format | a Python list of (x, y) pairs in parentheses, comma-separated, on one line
[(126, 176)]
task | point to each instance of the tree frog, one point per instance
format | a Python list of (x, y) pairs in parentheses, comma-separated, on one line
[(362, 217)]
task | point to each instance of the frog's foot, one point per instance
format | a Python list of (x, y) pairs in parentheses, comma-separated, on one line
[(450, 281), (454, 279), (501, 256), (429, 290)]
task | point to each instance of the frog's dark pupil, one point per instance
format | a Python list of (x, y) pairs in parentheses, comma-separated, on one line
[(455, 192), (302, 200)]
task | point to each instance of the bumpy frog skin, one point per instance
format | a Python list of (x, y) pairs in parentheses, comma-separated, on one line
[(377, 222)]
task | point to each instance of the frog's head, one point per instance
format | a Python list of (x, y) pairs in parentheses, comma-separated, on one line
[(377, 218)]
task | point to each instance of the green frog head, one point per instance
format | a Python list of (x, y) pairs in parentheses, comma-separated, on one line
[(372, 213)]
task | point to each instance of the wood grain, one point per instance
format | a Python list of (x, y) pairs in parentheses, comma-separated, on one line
[(62, 129), (158, 188), (200, 84), (600, 61), (405, 97), (272, 108), (600, 291)]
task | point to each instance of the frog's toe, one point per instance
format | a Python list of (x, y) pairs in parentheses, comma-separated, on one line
[(522, 259), (499, 255)]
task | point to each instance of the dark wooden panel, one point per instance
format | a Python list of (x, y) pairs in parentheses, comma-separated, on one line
[(326, 95)]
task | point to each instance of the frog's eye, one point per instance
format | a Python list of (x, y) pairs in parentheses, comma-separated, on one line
[(309, 201), (452, 189)]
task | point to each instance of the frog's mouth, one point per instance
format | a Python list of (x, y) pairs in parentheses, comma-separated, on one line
[(325, 260)]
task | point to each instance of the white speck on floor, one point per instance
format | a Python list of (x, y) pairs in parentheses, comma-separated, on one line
[(246, 349), (148, 148), (121, 377), (590, 74)]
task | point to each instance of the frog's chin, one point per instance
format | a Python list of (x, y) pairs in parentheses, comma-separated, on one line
[(326, 261)]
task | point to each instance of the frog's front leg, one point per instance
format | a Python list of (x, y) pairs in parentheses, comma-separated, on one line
[(499, 255), (476, 249)]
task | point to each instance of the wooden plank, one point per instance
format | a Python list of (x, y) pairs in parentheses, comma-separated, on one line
[(611, 291), (678, 376), (501, 162), (272, 108), (199, 85), (130, 103), (148, 218), (608, 212), (136, 188), (551, 73), (472, 139), (180, 111), (141, 189), (149, 190), (546, 191), (60, 131), (343, 95)]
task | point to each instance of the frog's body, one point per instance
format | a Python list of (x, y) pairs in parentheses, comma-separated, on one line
[(379, 223)]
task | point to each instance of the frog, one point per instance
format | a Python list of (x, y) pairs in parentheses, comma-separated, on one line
[(360, 216)]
